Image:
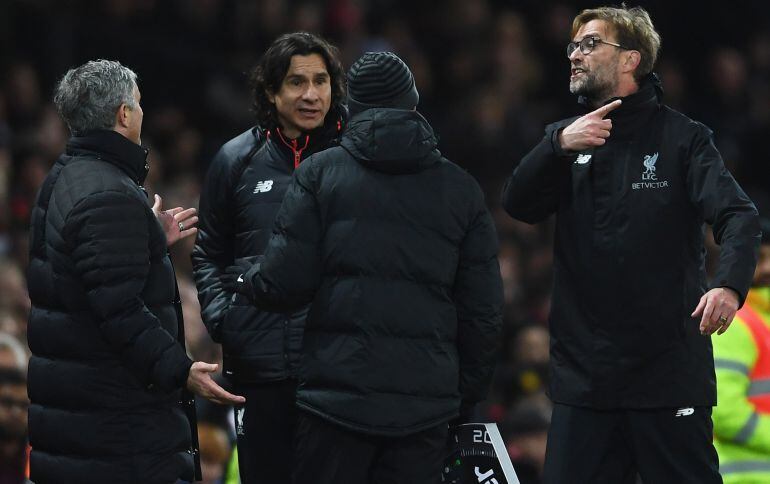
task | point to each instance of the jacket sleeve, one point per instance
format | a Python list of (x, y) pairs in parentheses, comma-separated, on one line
[(724, 206), (735, 417), (532, 191), (289, 275), (109, 236), (214, 246), (478, 296)]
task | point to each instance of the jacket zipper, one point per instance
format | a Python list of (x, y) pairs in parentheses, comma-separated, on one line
[(297, 154)]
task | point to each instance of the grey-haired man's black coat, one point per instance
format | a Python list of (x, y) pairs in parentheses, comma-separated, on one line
[(107, 362)]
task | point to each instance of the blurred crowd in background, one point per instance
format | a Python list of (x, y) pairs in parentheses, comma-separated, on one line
[(490, 73)]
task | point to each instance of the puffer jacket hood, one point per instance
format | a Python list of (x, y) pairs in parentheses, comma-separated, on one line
[(393, 141)]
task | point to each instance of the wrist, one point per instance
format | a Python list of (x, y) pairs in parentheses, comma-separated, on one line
[(557, 142), (732, 291)]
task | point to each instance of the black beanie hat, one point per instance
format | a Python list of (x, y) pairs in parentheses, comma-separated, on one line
[(380, 79)]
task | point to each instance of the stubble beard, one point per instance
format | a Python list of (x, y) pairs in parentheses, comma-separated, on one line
[(595, 85)]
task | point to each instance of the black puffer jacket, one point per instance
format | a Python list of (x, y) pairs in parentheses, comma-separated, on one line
[(241, 195), (106, 367), (394, 246)]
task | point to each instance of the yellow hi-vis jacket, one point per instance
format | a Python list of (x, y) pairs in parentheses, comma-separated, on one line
[(742, 416)]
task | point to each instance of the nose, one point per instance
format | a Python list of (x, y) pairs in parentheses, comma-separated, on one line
[(575, 54), (311, 93)]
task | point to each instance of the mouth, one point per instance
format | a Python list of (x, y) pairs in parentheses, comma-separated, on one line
[(576, 71), (309, 113)]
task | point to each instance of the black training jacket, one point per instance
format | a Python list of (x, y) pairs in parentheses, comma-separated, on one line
[(105, 328), (241, 194), (629, 254), (396, 249)]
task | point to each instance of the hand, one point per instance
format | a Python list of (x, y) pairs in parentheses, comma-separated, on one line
[(716, 309), (199, 381), (234, 280), (177, 223), (588, 131)]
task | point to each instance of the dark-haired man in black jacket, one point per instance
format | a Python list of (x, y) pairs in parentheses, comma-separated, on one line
[(298, 89), (108, 362), (632, 183), (396, 250)]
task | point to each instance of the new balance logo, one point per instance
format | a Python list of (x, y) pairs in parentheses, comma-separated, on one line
[(685, 411), (583, 159), (240, 278), (263, 186)]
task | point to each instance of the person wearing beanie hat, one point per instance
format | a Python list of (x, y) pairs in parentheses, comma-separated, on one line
[(742, 361), (380, 79), (299, 95), (394, 246)]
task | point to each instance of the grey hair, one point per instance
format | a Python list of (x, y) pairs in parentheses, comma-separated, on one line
[(88, 97)]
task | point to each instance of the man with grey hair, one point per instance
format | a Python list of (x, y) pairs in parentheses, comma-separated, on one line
[(109, 380)]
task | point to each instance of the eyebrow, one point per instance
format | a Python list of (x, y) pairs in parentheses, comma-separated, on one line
[(308, 76), (593, 34)]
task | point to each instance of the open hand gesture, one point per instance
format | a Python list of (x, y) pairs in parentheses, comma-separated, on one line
[(177, 222)]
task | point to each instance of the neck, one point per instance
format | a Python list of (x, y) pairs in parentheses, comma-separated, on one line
[(291, 133), (625, 87), (124, 132)]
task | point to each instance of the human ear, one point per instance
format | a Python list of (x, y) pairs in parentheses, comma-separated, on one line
[(633, 59)]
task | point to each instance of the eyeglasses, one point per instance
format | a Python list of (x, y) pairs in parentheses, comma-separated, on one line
[(587, 45)]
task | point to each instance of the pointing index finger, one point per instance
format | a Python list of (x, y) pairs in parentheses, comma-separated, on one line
[(604, 110)]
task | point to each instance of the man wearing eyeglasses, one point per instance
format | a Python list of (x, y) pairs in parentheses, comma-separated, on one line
[(632, 183)]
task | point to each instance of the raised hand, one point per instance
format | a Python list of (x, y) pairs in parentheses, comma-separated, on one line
[(588, 131), (177, 222)]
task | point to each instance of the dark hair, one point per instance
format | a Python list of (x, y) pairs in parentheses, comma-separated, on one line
[(274, 64)]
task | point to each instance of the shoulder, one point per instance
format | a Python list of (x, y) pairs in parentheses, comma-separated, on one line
[(232, 158), (84, 178), (455, 172), (679, 124), (239, 147), (328, 160)]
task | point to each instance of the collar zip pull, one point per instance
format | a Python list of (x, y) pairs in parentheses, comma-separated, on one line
[(298, 152)]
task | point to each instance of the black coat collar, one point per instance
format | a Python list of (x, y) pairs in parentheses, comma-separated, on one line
[(293, 151), (636, 109), (114, 148)]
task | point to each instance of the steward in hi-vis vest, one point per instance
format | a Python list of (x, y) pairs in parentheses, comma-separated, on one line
[(742, 361)]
